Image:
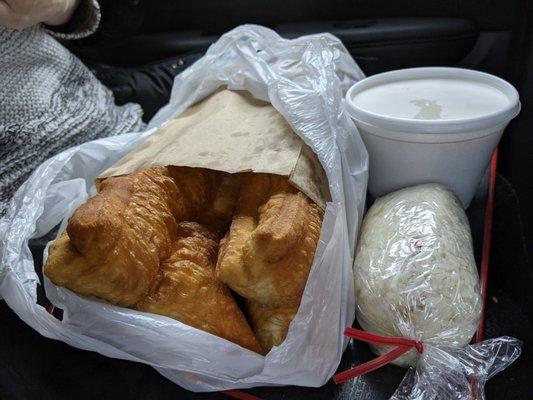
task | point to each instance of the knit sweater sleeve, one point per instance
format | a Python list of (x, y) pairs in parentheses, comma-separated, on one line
[(49, 100), (83, 22)]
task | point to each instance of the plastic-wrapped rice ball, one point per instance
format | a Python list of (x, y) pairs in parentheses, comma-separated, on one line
[(415, 273)]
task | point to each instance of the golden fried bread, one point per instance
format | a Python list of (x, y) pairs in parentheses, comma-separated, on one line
[(197, 190), (189, 291), (269, 249), (270, 324), (152, 199), (127, 229), (218, 214), (118, 284), (185, 289), (130, 246)]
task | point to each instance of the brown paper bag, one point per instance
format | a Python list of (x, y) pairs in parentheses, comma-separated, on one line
[(231, 131)]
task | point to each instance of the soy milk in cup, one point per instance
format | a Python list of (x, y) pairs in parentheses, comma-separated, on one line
[(431, 125)]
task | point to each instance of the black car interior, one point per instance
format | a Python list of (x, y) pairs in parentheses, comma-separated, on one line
[(494, 36)]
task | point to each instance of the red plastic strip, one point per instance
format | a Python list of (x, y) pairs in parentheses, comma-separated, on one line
[(372, 365), (236, 394), (403, 345), (50, 309), (487, 237), (386, 340), (485, 257)]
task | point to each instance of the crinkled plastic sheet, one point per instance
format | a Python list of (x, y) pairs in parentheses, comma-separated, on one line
[(446, 373), (416, 277), (305, 79)]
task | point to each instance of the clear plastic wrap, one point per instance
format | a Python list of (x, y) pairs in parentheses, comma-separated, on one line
[(416, 278), (305, 79), (457, 373), (415, 273)]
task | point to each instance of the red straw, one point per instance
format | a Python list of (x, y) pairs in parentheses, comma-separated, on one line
[(487, 237), (240, 395), (485, 257)]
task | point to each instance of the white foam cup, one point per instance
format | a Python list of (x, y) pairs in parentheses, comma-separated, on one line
[(431, 124)]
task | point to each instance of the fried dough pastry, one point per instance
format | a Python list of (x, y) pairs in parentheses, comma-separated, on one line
[(189, 291), (130, 246), (270, 324), (186, 287), (268, 251), (66, 267), (128, 228), (218, 214), (154, 199)]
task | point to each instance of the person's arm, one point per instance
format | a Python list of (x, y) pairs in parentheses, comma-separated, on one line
[(19, 14), (68, 19), (83, 22)]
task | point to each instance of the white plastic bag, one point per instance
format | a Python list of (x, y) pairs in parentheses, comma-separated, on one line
[(305, 79)]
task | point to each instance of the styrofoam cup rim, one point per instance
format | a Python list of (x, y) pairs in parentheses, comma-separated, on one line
[(475, 125)]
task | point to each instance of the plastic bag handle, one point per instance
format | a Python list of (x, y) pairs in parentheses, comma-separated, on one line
[(403, 345)]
